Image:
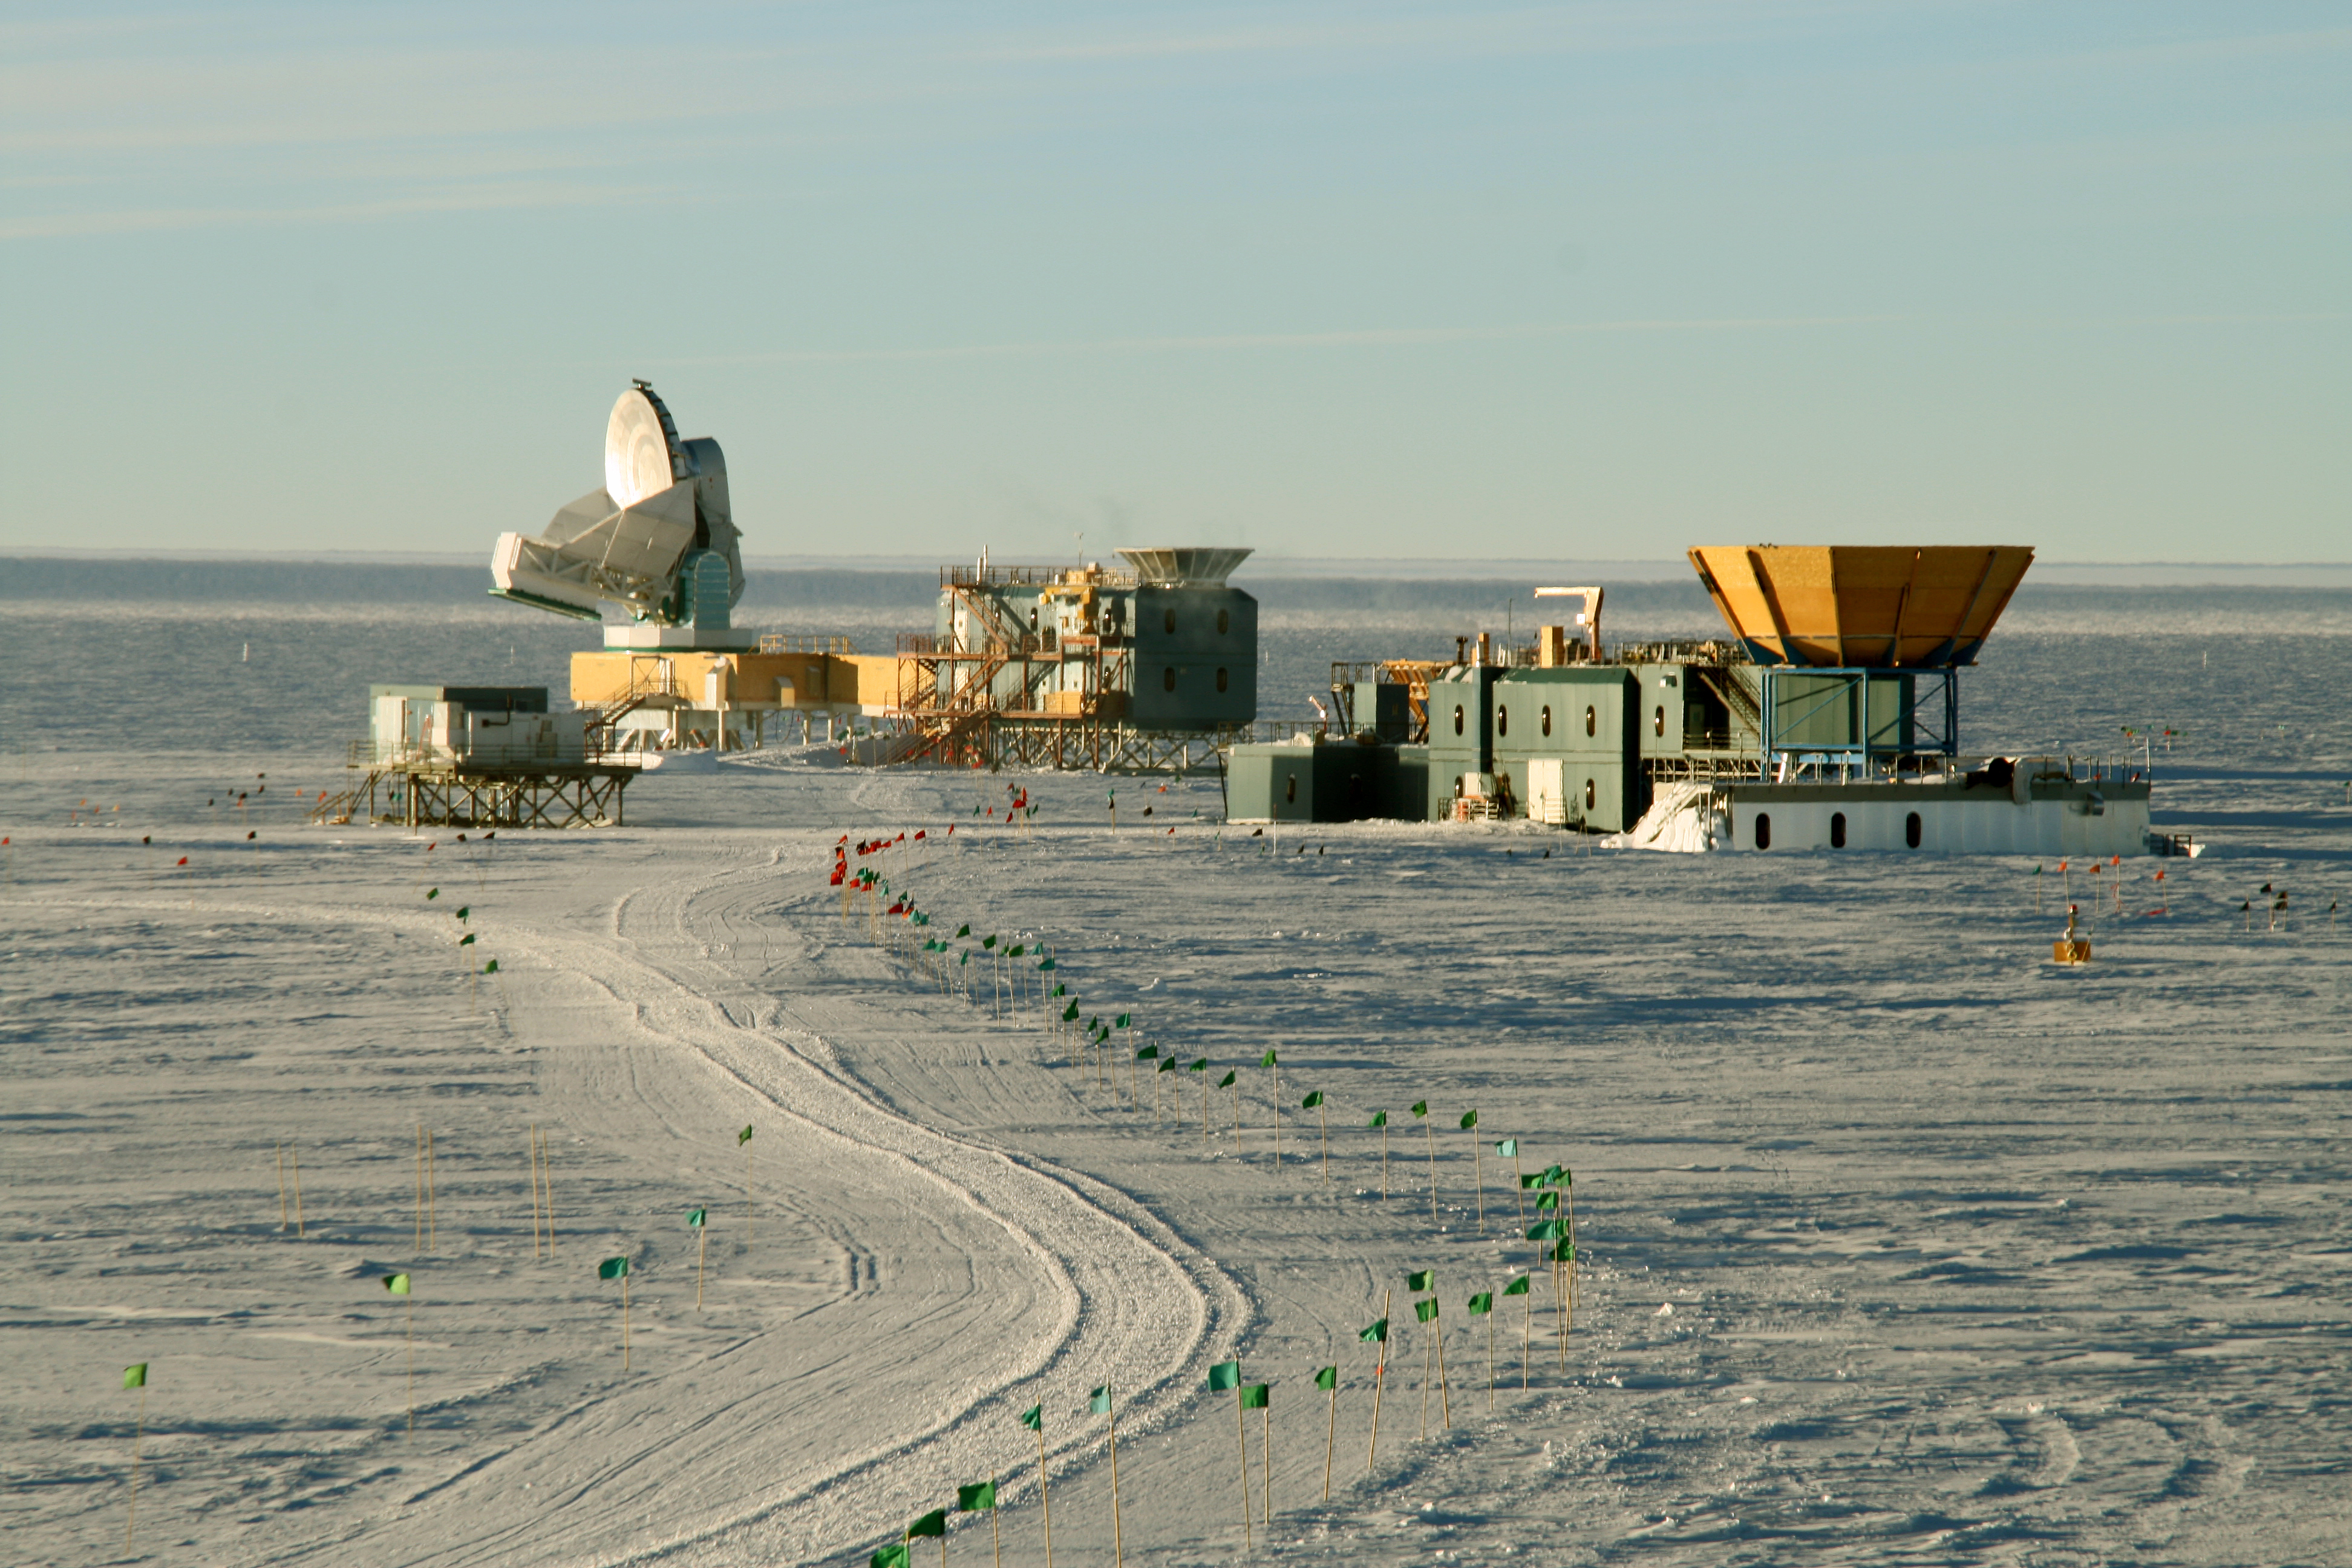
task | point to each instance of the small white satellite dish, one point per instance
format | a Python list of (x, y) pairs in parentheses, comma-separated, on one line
[(636, 450)]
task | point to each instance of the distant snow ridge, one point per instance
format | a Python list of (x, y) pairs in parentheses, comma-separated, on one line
[(1684, 819)]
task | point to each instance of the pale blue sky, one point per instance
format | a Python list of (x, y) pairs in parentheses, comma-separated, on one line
[(1582, 280)]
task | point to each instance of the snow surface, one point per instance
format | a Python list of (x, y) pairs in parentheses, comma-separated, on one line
[(1969, 1258)]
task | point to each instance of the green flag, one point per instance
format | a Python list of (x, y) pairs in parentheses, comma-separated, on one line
[(1033, 1419), (1200, 1066), (1420, 1279), (1070, 1013), (1328, 1379), (932, 1523), (1509, 1149), (972, 1500), (1267, 1060), (1167, 1064), (1226, 1081), (744, 1137), (1482, 1304), (1099, 1401), (1095, 1021), (1469, 1120), (612, 1268), (466, 940), (695, 1218), (964, 957), (1425, 1310), (1564, 1253), (1148, 1054), (1517, 1286), (464, 910), (1532, 1179), (135, 1376), (396, 1283), (1256, 1397), (988, 942), (1017, 949), (1378, 1334), (964, 930), (1225, 1374), (1380, 1119), (891, 1556), (431, 893), (1043, 964), (1060, 989), (1548, 1231), (1553, 1175), (1311, 1101), (1420, 1107), (1122, 1019), (1547, 1199), (491, 967)]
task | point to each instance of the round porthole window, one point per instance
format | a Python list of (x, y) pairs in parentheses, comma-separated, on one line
[(1547, 719), (1502, 720), (1591, 722), (1167, 679), (1221, 677)]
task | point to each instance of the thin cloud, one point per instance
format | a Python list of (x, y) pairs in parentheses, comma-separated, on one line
[(76, 226)]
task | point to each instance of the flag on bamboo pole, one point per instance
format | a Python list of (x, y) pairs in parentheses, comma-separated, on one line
[(135, 1376), (891, 1556), (1424, 1310), (1517, 1286), (1311, 1101), (1482, 1304), (1099, 1401), (1380, 1119), (1223, 1375), (964, 930), (432, 893), (1554, 1175), (464, 910), (1547, 1199), (964, 957), (1267, 1060), (972, 1500), (1418, 1279), (1328, 1379), (695, 1217), (613, 1269), (1200, 1066), (1378, 1334), (1564, 1253), (1148, 1054), (1018, 950), (1256, 1397), (1509, 1149), (396, 1283), (1548, 1231), (1226, 1081), (1033, 1419), (932, 1523), (466, 940), (988, 942), (1070, 1013), (1060, 989), (491, 967), (1531, 1180), (1044, 965), (1121, 1022), (1420, 1107), (744, 1137), (1469, 1121)]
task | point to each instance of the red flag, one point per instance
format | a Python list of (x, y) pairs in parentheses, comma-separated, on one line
[(183, 860), (901, 839), (840, 841), (840, 869), (919, 835)]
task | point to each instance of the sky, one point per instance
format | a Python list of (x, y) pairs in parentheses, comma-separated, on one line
[(1372, 280)]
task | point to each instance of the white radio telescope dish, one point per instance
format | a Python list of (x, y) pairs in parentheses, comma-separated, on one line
[(636, 450)]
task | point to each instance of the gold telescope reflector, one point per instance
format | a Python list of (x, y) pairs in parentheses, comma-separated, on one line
[(1875, 607)]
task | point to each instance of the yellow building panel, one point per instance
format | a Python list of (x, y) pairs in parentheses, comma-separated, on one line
[(1875, 605)]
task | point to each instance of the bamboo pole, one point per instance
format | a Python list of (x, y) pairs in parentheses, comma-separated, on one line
[(294, 1151), (1118, 1541), (1323, 1115), (1044, 1494), (1490, 1358), (432, 1210), (1429, 1132), (1444, 1390), (1266, 1461), (534, 1193), (1331, 1434), (547, 1179), (1380, 1383), (701, 1252), (420, 1191), (995, 1526), (1478, 1174), (412, 1365), (1240, 1446), (625, 1321), (139, 1435), (282, 1218)]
